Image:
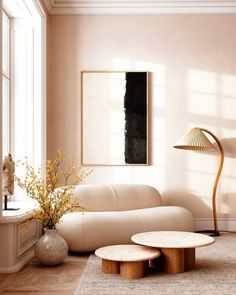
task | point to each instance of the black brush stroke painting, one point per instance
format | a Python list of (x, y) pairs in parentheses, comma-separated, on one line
[(135, 108)]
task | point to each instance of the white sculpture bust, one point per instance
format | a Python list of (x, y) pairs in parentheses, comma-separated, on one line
[(8, 175)]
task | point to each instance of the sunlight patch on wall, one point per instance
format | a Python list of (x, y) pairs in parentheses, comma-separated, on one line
[(201, 103), (229, 133), (159, 141), (228, 137), (201, 162), (200, 183), (159, 97), (159, 154), (122, 175), (228, 85), (228, 183), (202, 92), (228, 102), (229, 174), (151, 175), (202, 81), (228, 108), (159, 125)]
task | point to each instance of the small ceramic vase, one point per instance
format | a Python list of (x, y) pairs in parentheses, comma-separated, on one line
[(51, 248)]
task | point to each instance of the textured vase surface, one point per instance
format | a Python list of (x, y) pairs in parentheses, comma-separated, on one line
[(51, 248)]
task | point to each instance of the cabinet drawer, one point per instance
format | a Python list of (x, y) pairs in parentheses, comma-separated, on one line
[(28, 235)]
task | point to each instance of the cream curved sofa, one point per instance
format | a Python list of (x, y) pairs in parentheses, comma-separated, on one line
[(116, 212)]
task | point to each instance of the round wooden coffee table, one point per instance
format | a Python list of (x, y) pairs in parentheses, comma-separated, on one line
[(177, 248), (128, 260)]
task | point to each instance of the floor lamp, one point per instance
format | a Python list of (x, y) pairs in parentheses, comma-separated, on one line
[(196, 140)]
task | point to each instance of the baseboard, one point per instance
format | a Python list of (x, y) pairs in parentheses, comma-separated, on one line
[(227, 224), (19, 265)]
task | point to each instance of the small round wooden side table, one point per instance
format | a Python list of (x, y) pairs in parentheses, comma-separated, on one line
[(128, 260), (177, 248)]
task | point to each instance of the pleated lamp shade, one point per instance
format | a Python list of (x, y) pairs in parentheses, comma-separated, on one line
[(194, 140)]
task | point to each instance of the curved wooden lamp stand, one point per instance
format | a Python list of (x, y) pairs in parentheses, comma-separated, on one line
[(215, 232)]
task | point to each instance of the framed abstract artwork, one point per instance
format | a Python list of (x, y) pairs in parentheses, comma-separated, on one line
[(114, 118)]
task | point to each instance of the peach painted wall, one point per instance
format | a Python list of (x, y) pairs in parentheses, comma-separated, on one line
[(192, 83)]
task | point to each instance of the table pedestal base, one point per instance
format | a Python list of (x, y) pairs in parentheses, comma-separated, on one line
[(132, 270), (109, 266), (176, 260), (189, 258), (173, 260), (127, 270)]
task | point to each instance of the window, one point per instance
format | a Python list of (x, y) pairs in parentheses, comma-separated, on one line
[(6, 83), (23, 83)]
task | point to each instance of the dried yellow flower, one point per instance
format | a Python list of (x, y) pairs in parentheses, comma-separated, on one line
[(54, 191)]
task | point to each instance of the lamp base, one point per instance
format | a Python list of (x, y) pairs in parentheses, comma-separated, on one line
[(212, 233)]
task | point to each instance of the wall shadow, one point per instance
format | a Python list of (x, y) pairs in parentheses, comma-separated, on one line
[(188, 200)]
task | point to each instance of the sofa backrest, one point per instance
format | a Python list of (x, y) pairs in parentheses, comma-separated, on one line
[(117, 197)]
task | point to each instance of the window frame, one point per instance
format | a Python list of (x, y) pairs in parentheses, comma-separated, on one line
[(36, 12), (6, 75)]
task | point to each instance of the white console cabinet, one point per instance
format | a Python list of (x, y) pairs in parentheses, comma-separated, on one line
[(17, 240)]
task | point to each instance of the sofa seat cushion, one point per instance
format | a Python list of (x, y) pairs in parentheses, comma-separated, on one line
[(89, 231)]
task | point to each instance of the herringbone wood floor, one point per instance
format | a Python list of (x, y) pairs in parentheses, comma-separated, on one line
[(38, 279)]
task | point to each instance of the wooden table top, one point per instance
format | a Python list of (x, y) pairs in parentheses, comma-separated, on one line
[(172, 239), (127, 253)]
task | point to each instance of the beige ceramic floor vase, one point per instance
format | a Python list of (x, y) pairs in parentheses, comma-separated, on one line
[(51, 248)]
